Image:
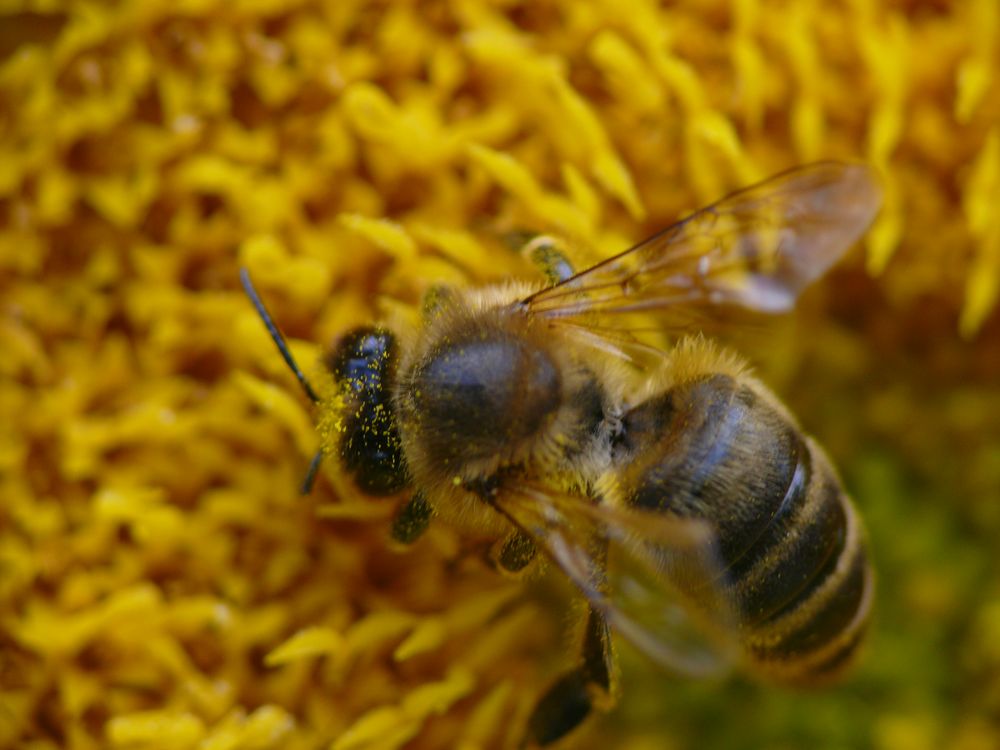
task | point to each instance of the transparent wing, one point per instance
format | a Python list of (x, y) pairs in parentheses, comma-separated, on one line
[(656, 579), (757, 249)]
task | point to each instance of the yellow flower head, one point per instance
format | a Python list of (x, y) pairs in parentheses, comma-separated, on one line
[(162, 584)]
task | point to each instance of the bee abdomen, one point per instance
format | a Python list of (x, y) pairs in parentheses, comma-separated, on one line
[(788, 539), (712, 448)]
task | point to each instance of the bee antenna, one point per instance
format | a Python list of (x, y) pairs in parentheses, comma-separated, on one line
[(310, 478), (279, 341)]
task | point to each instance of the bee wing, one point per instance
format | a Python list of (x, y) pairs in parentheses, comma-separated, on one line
[(757, 248), (656, 579)]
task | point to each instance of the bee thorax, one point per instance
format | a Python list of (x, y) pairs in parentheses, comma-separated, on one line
[(474, 400)]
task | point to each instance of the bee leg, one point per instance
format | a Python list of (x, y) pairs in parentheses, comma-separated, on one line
[(411, 519), (546, 253), (436, 297), (514, 554), (579, 692)]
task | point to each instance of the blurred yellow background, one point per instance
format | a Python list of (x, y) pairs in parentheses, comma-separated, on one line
[(162, 584)]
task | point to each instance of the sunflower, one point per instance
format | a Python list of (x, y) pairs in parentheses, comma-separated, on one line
[(163, 585)]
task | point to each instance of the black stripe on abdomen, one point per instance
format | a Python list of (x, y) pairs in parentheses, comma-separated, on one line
[(818, 631), (797, 551)]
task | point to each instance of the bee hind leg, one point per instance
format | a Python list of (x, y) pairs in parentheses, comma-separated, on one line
[(411, 520), (578, 693)]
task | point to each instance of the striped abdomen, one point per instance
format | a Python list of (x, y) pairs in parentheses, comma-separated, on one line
[(789, 539)]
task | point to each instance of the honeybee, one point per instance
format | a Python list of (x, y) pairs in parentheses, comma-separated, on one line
[(669, 484)]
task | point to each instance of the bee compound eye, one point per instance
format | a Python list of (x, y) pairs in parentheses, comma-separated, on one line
[(362, 358)]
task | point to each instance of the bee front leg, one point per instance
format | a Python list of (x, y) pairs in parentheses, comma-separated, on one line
[(411, 520), (435, 298), (579, 692)]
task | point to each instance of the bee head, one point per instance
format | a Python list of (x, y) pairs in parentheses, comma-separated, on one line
[(363, 363), (362, 359)]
